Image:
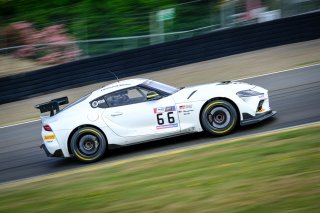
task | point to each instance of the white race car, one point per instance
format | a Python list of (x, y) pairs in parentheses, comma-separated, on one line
[(140, 110)]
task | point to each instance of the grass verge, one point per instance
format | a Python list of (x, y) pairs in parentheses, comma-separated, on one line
[(278, 172)]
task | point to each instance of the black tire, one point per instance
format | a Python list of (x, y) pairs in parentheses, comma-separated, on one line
[(88, 144), (219, 117)]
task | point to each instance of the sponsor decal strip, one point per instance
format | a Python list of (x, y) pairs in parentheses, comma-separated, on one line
[(170, 108), (166, 126), (164, 109), (49, 137)]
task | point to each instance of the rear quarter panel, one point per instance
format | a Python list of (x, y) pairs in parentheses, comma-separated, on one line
[(66, 121)]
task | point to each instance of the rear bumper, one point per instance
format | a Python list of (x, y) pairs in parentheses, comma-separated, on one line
[(57, 153), (249, 119)]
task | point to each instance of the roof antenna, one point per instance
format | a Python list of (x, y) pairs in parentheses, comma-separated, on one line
[(113, 75)]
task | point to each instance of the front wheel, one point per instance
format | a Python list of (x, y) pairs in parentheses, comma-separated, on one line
[(88, 144), (219, 117)]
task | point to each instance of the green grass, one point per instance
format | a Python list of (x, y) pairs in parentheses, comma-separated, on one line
[(273, 173)]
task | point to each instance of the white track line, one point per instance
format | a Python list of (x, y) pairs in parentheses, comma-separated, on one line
[(255, 76), (281, 71), (17, 124)]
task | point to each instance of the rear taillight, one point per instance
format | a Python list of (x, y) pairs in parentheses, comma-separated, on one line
[(47, 128)]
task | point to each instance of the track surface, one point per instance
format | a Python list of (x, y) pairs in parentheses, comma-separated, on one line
[(294, 94)]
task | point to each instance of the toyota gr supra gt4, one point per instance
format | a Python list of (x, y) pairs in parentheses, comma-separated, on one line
[(140, 110)]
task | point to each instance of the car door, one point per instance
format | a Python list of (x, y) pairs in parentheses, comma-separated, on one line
[(130, 114)]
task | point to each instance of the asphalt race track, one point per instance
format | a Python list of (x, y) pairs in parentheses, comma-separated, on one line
[(294, 94)]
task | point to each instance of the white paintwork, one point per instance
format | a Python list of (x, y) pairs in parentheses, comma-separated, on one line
[(138, 120), (124, 125)]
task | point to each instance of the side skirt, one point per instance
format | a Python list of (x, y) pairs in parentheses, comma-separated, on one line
[(116, 146)]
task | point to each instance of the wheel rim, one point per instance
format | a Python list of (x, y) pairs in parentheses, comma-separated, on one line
[(219, 117), (88, 145)]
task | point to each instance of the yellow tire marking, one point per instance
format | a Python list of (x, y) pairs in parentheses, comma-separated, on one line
[(215, 103), (224, 131), (90, 130), (77, 154), (82, 158), (219, 132)]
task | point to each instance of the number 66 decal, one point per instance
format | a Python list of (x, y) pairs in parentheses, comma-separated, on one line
[(170, 118)]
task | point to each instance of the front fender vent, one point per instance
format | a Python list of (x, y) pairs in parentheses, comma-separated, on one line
[(191, 94)]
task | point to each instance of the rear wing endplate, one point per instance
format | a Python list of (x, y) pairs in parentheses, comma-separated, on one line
[(52, 106)]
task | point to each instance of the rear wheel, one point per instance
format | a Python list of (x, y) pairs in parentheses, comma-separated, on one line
[(219, 117), (88, 144)]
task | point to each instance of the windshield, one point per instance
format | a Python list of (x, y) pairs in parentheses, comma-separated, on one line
[(160, 86)]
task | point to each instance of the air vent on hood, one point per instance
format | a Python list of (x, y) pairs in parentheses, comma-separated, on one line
[(224, 82), (231, 82)]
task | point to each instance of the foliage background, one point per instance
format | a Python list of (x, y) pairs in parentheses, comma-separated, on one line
[(88, 19), (113, 21)]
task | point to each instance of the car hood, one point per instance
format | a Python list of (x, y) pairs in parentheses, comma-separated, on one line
[(203, 91)]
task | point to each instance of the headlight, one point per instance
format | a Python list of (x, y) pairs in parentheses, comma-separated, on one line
[(248, 93)]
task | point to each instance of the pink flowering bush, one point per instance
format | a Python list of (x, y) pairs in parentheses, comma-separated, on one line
[(51, 45)]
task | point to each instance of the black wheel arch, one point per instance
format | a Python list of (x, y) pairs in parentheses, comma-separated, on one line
[(224, 99), (79, 127)]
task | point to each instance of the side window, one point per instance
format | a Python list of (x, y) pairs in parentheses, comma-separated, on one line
[(143, 91), (125, 97), (136, 96)]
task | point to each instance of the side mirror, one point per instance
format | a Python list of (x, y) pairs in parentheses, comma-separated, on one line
[(151, 96)]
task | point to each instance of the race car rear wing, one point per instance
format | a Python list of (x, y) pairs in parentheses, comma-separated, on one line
[(52, 106)]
